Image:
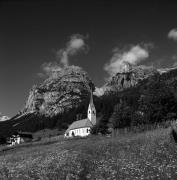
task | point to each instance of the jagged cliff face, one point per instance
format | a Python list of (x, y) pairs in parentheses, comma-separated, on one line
[(69, 87), (129, 77), (62, 91)]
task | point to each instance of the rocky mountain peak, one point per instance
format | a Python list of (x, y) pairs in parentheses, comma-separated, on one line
[(62, 91), (129, 76), (125, 67), (3, 118)]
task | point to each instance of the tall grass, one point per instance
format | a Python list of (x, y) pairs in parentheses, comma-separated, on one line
[(147, 155)]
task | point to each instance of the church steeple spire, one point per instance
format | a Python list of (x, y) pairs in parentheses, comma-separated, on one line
[(91, 97), (91, 109)]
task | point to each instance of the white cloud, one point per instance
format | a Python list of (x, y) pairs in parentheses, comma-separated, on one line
[(73, 46), (173, 34), (133, 56), (63, 56), (98, 91), (49, 69)]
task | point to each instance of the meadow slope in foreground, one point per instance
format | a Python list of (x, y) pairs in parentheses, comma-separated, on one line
[(149, 155)]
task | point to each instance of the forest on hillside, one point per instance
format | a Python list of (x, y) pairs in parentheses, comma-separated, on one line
[(154, 100)]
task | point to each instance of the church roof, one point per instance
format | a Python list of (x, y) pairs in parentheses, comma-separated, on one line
[(91, 99), (80, 124)]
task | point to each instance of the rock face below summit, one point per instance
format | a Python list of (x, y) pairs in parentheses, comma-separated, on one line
[(130, 77), (66, 89)]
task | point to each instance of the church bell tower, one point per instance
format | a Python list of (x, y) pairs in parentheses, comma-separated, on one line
[(91, 114)]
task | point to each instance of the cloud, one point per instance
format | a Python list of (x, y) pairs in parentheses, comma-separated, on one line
[(75, 45), (49, 69), (98, 91), (173, 34), (133, 56)]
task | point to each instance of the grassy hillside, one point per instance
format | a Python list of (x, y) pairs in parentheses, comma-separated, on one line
[(149, 155)]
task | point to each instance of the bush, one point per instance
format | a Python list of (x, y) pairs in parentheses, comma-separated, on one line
[(94, 130), (99, 128), (2, 140)]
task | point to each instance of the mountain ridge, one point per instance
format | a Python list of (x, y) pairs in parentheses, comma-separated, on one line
[(54, 103)]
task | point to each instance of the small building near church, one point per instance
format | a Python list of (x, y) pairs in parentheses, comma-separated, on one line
[(82, 127), (21, 137)]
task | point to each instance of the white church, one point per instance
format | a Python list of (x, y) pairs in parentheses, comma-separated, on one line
[(82, 127)]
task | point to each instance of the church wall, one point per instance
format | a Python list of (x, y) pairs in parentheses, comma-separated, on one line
[(80, 132)]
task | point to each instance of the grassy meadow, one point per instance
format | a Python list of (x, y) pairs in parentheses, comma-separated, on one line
[(148, 155)]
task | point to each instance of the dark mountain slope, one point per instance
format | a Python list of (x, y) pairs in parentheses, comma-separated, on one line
[(150, 100)]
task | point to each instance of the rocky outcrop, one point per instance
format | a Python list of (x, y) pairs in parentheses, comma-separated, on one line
[(4, 118), (64, 90), (166, 70), (129, 77)]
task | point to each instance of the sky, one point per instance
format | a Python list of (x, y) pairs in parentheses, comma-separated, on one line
[(38, 37)]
